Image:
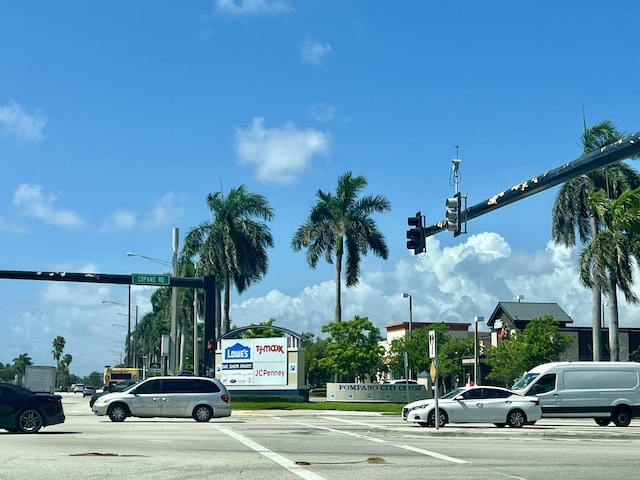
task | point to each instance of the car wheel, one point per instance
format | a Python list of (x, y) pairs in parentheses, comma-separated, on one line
[(621, 417), (603, 422), (431, 419), (29, 421), (117, 412), (516, 419), (202, 413), (500, 425)]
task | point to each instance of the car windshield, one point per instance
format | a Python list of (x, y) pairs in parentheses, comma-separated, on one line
[(524, 381), (121, 387)]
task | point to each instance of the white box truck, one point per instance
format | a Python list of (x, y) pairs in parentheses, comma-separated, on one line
[(605, 391), (40, 378)]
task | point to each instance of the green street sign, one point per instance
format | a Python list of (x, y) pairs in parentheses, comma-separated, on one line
[(150, 279)]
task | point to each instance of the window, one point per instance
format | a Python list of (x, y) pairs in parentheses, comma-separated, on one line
[(495, 393), (175, 385), (152, 386), (472, 394), (546, 384), (205, 386)]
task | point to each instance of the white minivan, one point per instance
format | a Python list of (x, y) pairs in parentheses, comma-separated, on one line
[(604, 391)]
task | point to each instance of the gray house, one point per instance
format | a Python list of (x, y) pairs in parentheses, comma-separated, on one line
[(516, 315)]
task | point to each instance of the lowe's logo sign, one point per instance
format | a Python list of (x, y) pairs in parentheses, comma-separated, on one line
[(237, 352)]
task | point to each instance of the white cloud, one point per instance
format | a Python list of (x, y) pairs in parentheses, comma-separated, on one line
[(252, 7), (313, 52), (120, 220), (451, 284), (322, 112), (7, 226), (280, 155), (34, 203), (166, 211), (17, 122)]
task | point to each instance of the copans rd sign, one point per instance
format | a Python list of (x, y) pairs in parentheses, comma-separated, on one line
[(150, 279)]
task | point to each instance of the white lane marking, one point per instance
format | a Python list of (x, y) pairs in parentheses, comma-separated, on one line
[(421, 451), (271, 455)]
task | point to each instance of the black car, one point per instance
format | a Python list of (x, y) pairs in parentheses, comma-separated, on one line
[(22, 410), (116, 387)]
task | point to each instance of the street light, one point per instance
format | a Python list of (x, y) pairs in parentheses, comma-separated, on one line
[(166, 263), (174, 298), (408, 295), (128, 342), (476, 357)]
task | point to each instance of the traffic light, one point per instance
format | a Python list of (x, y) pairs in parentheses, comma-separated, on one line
[(453, 214), (415, 235)]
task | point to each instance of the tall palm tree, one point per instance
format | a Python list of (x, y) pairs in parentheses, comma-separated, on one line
[(233, 246), (608, 261), (58, 347), (572, 217), (343, 222), (21, 362)]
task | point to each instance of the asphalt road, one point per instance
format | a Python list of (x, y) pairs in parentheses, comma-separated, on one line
[(314, 445)]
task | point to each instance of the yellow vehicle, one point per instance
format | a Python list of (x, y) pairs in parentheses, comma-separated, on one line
[(113, 376)]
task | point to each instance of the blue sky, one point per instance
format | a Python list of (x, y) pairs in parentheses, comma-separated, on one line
[(117, 119)]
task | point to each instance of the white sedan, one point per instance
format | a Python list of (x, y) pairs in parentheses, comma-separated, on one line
[(476, 404)]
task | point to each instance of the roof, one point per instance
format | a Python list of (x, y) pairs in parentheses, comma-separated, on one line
[(521, 313)]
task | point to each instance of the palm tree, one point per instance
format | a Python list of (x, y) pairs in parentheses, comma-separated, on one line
[(572, 217), (232, 247), (343, 221), (58, 346), (20, 363), (607, 261)]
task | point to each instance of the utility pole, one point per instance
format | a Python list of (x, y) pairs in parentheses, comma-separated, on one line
[(476, 356), (173, 344)]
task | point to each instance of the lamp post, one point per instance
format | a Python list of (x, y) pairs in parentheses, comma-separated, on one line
[(127, 344), (128, 339), (408, 295), (174, 299), (476, 357)]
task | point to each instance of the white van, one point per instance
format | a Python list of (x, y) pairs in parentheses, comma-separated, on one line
[(604, 391)]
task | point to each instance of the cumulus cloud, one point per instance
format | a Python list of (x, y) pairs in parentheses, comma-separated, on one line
[(120, 220), (313, 52), (280, 155), (322, 112), (447, 284), (252, 7), (166, 211), (7, 226), (16, 122), (451, 284), (35, 204)]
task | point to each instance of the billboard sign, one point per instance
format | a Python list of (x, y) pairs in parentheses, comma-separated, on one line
[(254, 361)]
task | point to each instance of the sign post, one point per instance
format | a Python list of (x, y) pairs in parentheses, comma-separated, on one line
[(433, 355)]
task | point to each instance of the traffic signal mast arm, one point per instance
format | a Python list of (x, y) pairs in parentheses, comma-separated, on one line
[(624, 148)]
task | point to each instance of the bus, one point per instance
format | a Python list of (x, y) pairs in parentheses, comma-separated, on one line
[(116, 375)]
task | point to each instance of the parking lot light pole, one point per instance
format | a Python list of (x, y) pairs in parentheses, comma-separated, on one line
[(408, 295), (476, 356)]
